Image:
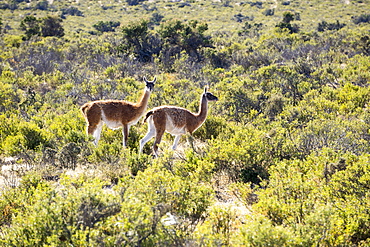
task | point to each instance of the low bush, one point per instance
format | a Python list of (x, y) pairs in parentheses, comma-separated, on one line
[(364, 18), (311, 198), (107, 26), (323, 26), (27, 136)]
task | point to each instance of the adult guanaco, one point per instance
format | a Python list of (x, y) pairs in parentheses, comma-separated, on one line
[(175, 120), (116, 113)]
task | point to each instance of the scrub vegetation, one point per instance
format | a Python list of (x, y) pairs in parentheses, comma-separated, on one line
[(281, 160)]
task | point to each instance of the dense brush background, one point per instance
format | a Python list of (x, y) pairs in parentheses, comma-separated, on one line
[(282, 159)]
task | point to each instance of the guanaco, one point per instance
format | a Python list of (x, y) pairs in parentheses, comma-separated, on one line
[(116, 113), (175, 120)]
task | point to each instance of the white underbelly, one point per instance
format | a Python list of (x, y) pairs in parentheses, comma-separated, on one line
[(174, 130), (134, 122), (112, 124)]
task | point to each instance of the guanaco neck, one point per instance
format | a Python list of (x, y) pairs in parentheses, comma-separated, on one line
[(143, 100), (203, 109)]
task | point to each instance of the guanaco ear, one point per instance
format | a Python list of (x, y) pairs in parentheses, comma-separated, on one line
[(146, 81), (205, 89)]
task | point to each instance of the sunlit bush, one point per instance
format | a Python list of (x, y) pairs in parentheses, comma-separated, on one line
[(58, 216), (242, 153), (316, 196), (8, 97), (26, 136)]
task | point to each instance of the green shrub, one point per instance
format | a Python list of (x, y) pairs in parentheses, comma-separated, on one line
[(355, 72), (106, 26), (66, 128), (218, 228), (26, 136), (242, 153), (211, 128), (323, 26), (188, 37), (322, 199), (8, 97), (15, 200), (361, 19), (260, 231), (13, 40), (338, 135), (286, 23), (134, 161), (45, 27), (106, 153), (236, 100), (139, 41), (146, 202), (58, 217), (71, 10), (31, 26)]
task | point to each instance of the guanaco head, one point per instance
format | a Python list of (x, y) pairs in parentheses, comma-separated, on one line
[(209, 96), (149, 84)]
